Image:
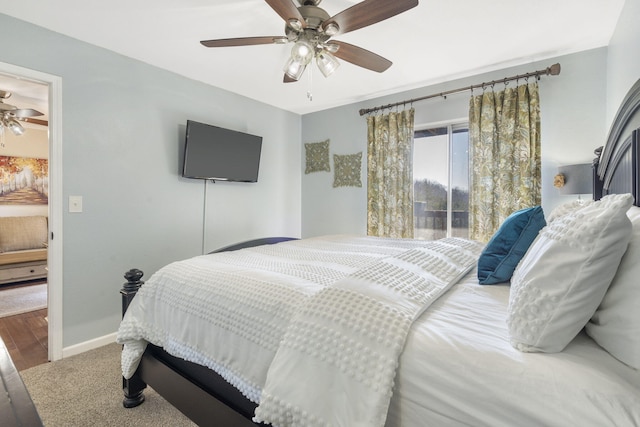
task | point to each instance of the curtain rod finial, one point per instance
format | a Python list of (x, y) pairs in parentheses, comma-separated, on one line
[(554, 70)]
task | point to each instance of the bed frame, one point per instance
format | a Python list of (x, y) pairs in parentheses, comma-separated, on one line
[(204, 396), (617, 168)]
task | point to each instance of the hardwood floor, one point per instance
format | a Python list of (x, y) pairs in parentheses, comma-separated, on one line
[(25, 336)]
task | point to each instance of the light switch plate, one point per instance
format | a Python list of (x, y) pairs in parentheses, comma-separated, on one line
[(75, 204)]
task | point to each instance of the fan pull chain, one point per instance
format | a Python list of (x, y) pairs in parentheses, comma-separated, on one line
[(310, 86)]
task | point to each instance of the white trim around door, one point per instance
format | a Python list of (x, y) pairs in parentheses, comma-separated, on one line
[(55, 278)]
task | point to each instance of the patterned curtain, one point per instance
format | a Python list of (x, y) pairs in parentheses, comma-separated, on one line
[(504, 144), (390, 175)]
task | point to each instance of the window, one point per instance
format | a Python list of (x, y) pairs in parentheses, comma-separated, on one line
[(441, 182)]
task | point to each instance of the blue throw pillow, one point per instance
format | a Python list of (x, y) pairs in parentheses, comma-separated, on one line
[(506, 248)]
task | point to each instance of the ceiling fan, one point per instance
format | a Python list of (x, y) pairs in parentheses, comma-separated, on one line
[(310, 29), (10, 115)]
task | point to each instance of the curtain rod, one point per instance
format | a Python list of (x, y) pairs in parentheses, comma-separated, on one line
[(553, 70)]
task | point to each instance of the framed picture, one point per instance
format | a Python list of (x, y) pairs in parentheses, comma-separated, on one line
[(24, 181)]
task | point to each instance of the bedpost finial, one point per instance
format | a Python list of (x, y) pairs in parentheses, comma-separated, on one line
[(133, 277)]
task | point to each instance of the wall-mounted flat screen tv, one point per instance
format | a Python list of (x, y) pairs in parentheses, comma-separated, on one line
[(219, 154)]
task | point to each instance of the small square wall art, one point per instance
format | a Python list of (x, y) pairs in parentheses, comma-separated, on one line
[(347, 170), (317, 156)]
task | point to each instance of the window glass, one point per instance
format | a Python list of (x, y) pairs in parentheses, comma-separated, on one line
[(441, 182)]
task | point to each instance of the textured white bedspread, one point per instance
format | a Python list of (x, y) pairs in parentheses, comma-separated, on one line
[(457, 367), (337, 362), (229, 311)]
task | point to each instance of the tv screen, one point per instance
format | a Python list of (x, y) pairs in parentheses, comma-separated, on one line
[(215, 153)]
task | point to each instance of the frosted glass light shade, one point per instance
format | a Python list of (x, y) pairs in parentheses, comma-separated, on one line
[(16, 127), (302, 51), (294, 68), (327, 63)]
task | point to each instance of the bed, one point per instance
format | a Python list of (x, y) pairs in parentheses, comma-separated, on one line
[(551, 337)]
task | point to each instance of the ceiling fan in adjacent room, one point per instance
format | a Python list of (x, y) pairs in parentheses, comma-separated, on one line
[(11, 116), (310, 29)]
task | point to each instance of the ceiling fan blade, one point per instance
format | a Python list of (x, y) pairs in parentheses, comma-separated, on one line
[(368, 12), (244, 41), (21, 113), (288, 79), (287, 11), (36, 121), (361, 57)]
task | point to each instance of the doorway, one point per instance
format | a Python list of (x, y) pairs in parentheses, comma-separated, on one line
[(24, 79)]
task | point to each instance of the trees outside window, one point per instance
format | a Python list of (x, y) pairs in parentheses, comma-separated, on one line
[(441, 181)]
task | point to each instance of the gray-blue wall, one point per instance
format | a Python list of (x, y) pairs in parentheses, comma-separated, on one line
[(572, 112), (122, 130)]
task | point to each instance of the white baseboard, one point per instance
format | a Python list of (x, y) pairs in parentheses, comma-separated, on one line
[(88, 345)]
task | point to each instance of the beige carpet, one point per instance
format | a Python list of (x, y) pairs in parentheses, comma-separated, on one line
[(86, 390), (22, 300)]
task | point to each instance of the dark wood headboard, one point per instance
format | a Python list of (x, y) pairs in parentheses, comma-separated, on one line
[(617, 167)]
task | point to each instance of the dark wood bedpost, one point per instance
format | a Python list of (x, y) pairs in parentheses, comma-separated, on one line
[(134, 386), (597, 184)]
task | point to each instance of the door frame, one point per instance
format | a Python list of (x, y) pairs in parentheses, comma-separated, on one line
[(54, 253)]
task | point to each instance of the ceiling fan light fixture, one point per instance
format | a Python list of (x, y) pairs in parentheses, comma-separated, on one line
[(295, 24), (302, 51), (327, 63), (294, 68), (331, 47), (15, 127), (331, 29), (309, 27)]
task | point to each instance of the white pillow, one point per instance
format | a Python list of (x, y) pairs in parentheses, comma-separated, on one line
[(566, 208), (564, 275), (616, 323)]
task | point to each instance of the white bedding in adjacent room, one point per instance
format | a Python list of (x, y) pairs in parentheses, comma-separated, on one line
[(457, 368)]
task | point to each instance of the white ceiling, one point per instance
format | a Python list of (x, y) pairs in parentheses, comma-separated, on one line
[(439, 40)]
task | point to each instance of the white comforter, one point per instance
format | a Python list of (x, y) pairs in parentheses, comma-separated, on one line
[(345, 341), (457, 367), (229, 311)]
